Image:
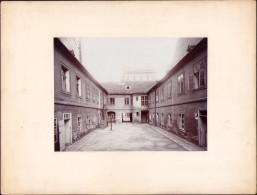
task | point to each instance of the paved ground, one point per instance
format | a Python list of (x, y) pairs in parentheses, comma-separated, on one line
[(131, 137)]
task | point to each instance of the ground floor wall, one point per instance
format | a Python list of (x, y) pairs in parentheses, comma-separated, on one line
[(128, 115), (73, 122), (182, 119)]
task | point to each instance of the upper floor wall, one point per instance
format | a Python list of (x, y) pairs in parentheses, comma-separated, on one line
[(119, 102), (72, 85), (140, 101), (188, 83)]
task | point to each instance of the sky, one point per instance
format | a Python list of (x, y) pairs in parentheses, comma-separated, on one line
[(107, 58)]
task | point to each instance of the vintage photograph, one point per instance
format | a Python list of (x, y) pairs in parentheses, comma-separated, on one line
[(130, 94)]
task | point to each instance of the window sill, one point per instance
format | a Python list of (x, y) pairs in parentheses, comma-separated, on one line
[(80, 97), (65, 92)]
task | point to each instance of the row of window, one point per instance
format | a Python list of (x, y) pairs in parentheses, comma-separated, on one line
[(194, 81), (160, 118), (66, 86), (144, 100)]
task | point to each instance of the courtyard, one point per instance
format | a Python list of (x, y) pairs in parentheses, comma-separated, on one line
[(131, 137)]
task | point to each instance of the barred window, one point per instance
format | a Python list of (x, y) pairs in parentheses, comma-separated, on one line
[(79, 122), (181, 122)]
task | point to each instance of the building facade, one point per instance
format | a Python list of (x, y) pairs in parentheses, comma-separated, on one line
[(179, 101), (79, 100)]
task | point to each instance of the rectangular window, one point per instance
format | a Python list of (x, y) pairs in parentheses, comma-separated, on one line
[(93, 94), (200, 73), (181, 122), (79, 122), (157, 95), (162, 119), (66, 116), (97, 95), (157, 117), (181, 83), (162, 93), (65, 79), (88, 119), (190, 82), (87, 91), (149, 99), (78, 86), (144, 100), (112, 101), (170, 120), (136, 98), (202, 77), (101, 97), (169, 89), (126, 101), (137, 113)]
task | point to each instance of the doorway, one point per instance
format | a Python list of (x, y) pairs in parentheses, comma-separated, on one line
[(144, 116), (126, 117), (111, 116), (202, 127)]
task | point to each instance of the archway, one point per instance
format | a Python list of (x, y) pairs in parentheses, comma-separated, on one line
[(111, 115)]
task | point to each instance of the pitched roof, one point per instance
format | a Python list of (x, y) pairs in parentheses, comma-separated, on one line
[(134, 87)]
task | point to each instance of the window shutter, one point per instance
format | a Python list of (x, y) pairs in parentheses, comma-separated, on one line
[(190, 82)]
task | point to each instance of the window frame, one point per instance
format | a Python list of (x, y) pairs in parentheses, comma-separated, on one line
[(65, 73), (181, 121), (190, 84), (157, 95), (78, 86), (144, 100), (88, 91), (181, 84), (169, 90), (126, 100), (79, 122), (112, 102), (162, 93)]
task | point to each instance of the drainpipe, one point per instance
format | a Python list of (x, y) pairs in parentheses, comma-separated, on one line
[(132, 110)]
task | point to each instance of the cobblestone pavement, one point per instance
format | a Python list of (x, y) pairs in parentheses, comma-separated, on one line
[(131, 137)]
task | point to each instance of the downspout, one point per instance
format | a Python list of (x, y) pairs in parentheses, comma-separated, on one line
[(132, 109)]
